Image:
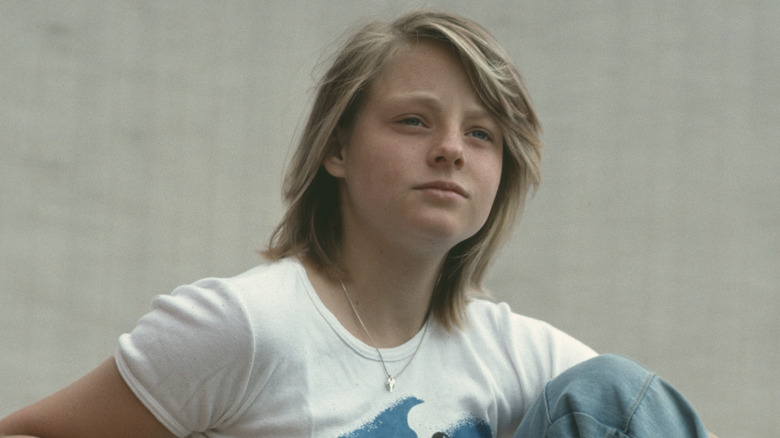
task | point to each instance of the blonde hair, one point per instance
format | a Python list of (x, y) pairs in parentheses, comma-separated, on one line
[(312, 223)]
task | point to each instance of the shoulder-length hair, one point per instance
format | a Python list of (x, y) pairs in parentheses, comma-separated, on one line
[(311, 226)]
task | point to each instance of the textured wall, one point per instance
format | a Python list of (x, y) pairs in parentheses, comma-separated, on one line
[(142, 146)]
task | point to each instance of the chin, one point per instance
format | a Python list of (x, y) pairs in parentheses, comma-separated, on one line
[(443, 237), (440, 230)]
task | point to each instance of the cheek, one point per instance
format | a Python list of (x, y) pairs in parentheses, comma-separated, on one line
[(490, 179), (491, 174), (374, 168), (374, 178), (384, 163)]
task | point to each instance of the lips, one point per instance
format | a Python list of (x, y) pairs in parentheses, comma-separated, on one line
[(445, 186)]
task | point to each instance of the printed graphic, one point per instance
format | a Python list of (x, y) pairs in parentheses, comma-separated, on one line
[(393, 422)]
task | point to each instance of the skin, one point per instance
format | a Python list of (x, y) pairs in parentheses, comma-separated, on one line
[(418, 173), (422, 124), (422, 128), (99, 404)]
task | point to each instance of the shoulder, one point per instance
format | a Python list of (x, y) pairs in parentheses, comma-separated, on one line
[(266, 286), (218, 295), (201, 342), (257, 301), (216, 314), (518, 354), (265, 278), (485, 314), (525, 339)]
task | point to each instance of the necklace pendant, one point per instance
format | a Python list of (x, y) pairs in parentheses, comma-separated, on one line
[(390, 383)]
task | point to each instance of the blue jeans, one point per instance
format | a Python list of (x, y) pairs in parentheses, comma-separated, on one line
[(610, 396)]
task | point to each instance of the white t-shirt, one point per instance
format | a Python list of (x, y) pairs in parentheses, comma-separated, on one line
[(260, 355)]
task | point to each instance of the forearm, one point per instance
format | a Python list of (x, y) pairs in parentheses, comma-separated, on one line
[(98, 405), (10, 427)]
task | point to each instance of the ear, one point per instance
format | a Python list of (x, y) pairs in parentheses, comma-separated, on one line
[(335, 161)]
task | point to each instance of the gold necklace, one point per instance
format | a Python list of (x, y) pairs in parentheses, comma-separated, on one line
[(390, 382)]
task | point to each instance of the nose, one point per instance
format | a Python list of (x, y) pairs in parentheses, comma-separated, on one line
[(447, 150)]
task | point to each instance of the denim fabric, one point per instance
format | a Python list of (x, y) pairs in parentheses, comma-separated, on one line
[(610, 396)]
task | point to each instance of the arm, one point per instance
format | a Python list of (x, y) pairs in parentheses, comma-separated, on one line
[(99, 404)]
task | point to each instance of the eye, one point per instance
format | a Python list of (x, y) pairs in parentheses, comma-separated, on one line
[(411, 121), (481, 134)]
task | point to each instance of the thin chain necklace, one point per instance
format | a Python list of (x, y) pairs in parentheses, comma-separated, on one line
[(390, 382)]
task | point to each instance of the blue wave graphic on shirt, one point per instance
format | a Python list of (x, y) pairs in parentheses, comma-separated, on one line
[(393, 422), (468, 428)]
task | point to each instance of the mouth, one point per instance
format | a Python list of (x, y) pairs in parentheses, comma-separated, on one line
[(444, 186)]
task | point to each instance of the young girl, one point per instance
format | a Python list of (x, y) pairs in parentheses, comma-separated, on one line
[(416, 159)]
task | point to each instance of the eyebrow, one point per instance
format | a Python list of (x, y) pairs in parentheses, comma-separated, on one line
[(415, 97), (432, 102)]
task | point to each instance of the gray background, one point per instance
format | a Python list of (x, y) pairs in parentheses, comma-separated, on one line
[(142, 146)]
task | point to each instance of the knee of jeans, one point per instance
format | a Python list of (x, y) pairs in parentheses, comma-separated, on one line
[(607, 387), (613, 367)]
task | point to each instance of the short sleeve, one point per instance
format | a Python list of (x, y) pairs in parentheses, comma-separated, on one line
[(189, 360), (556, 351), (540, 352)]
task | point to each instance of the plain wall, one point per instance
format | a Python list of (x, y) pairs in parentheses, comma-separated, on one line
[(142, 146)]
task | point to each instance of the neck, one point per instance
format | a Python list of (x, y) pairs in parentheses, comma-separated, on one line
[(391, 292)]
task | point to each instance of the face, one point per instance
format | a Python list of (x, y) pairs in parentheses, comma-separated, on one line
[(421, 164)]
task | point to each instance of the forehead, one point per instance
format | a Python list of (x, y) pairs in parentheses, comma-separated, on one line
[(423, 66), (427, 56)]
